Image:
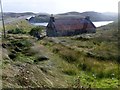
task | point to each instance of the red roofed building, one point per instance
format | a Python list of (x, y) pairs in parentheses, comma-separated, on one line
[(69, 27)]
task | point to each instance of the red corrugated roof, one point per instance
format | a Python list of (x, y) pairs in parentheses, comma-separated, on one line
[(72, 24)]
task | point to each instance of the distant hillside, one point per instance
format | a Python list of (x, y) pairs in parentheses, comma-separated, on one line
[(39, 18), (94, 16), (16, 15), (44, 17), (70, 13)]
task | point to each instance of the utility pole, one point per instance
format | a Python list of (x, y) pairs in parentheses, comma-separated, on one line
[(2, 20)]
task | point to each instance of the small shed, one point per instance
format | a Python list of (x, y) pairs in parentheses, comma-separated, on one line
[(69, 26)]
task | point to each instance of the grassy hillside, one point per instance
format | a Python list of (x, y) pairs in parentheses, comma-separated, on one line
[(86, 60), (23, 24)]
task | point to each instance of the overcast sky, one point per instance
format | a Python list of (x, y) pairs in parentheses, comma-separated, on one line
[(59, 6)]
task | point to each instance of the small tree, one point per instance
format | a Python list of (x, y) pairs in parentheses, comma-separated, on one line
[(35, 31)]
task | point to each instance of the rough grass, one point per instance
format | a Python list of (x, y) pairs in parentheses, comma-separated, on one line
[(87, 60), (33, 74), (96, 56), (66, 53)]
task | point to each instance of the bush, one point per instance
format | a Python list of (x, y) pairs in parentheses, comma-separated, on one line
[(16, 31), (69, 72), (21, 43), (35, 30)]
